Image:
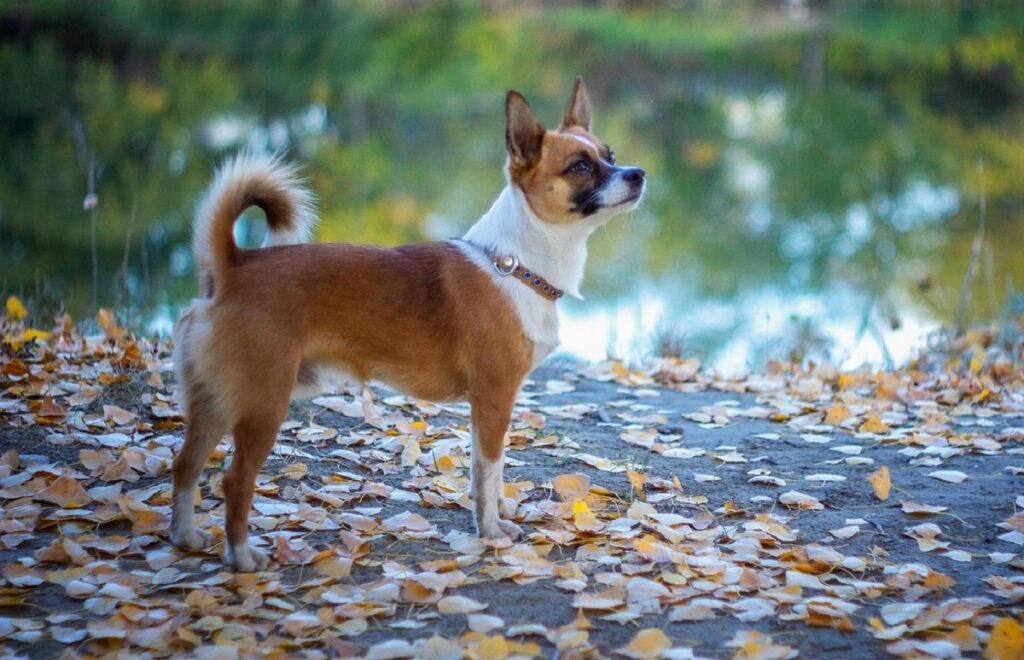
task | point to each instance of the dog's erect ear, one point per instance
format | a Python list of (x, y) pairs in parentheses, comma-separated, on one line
[(578, 112), (523, 133)]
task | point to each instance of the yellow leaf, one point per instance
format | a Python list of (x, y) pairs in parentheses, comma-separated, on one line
[(31, 334), (445, 464), (1006, 642), (977, 360), (571, 487), (14, 309), (836, 414), (582, 622), (874, 424), (636, 480), (295, 471), (881, 482), (649, 548), (493, 647), (584, 518), (648, 643)]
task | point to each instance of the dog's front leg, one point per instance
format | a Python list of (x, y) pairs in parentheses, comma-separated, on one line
[(490, 419)]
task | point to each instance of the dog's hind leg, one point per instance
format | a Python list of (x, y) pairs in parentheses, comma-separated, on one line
[(205, 429), (254, 438)]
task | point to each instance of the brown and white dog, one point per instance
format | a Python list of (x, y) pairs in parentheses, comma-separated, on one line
[(462, 319)]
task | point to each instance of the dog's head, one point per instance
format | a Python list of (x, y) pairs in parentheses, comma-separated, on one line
[(567, 175)]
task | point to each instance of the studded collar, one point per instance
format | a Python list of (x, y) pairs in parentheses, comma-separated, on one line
[(509, 266)]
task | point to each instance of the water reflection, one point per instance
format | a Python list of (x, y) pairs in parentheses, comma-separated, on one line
[(814, 176)]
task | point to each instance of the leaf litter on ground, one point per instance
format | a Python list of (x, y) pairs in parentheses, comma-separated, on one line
[(364, 513)]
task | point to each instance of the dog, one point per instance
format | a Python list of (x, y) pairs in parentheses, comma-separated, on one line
[(461, 319)]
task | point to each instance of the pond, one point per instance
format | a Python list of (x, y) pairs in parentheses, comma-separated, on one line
[(817, 175)]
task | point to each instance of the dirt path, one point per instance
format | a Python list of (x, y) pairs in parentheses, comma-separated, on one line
[(365, 509)]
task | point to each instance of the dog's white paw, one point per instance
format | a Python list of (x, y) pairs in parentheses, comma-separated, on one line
[(501, 529), (511, 530), (507, 507), (246, 560), (191, 538)]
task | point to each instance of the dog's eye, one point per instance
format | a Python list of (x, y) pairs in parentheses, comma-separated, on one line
[(581, 167)]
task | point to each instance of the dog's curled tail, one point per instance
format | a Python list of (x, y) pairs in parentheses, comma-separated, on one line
[(243, 181)]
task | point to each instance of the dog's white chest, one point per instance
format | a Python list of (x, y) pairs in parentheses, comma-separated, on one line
[(538, 315), (541, 350)]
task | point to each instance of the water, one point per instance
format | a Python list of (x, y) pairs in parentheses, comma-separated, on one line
[(816, 177)]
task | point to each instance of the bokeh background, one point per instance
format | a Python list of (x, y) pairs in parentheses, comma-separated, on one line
[(817, 169)]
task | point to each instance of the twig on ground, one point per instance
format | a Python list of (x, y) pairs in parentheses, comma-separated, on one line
[(972, 268), (91, 201)]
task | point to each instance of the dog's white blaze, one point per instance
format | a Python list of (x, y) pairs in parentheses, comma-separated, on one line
[(586, 142)]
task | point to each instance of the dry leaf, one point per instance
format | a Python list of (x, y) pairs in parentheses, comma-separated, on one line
[(459, 605), (65, 492), (881, 482), (108, 322), (915, 509), (14, 309), (648, 643), (636, 480), (50, 409), (797, 500), (584, 518), (1006, 642), (571, 487), (874, 424), (949, 476)]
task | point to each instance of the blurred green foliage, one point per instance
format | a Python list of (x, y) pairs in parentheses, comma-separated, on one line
[(792, 150)]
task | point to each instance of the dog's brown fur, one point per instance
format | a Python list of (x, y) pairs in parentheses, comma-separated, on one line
[(424, 318), (420, 317)]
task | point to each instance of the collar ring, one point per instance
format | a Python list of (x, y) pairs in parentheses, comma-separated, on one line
[(506, 265)]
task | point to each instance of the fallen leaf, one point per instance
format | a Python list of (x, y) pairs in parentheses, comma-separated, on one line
[(949, 476), (108, 322), (1006, 642), (648, 643), (571, 487), (584, 518), (636, 480), (881, 482), (50, 409), (797, 500), (14, 309), (459, 605), (874, 424), (65, 492), (915, 509)]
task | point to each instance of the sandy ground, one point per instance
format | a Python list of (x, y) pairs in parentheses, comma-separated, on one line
[(975, 508)]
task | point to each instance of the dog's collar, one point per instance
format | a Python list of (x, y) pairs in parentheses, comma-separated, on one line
[(510, 266)]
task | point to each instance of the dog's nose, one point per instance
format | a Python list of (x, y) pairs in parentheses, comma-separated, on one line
[(634, 175)]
